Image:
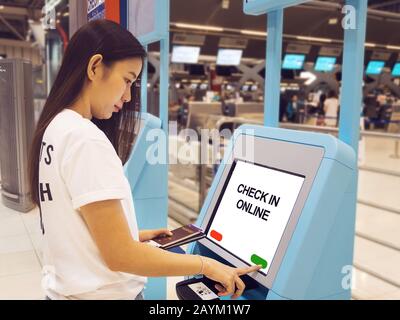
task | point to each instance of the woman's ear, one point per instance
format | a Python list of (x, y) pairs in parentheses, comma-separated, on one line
[(93, 66)]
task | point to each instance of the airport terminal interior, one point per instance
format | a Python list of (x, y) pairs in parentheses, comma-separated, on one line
[(216, 72)]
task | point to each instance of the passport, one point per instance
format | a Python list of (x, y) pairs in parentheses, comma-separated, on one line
[(180, 236)]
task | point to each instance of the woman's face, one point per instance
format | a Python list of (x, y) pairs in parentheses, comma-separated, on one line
[(111, 87)]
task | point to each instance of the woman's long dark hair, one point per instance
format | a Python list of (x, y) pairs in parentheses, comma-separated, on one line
[(114, 43)]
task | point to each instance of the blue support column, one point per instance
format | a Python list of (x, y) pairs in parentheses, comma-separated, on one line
[(157, 287), (273, 68), (143, 85), (164, 83), (351, 102), (151, 186), (352, 76)]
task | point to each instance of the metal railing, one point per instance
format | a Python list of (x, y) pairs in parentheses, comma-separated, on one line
[(331, 130)]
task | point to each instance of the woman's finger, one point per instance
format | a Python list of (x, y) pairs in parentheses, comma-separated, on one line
[(240, 286), (163, 232), (229, 289), (242, 271), (219, 287)]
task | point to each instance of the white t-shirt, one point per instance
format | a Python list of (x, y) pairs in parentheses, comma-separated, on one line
[(79, 166), (331, 108)]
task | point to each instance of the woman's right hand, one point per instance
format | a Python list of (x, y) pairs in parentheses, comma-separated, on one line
[(228, 277)]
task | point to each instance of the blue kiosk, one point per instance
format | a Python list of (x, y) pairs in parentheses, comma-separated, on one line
[(288, 202)]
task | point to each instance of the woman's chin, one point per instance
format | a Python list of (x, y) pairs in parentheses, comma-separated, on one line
[(104, 116)]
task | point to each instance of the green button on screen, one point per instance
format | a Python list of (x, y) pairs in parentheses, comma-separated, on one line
[(259, 261)]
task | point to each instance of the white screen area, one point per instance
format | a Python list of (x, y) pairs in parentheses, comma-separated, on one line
[(229, 57), (185, 54), (254, 211)]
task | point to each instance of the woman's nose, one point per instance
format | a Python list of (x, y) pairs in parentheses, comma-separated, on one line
[(127, 95)]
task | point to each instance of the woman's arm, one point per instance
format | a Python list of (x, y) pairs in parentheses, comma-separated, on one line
[(109, 229)]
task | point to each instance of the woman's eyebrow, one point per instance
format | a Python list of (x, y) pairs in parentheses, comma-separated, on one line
[(132, 73)]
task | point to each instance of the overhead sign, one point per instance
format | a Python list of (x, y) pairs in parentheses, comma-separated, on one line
[(96, 10), (237, 43), (330, 51), (298, 48), (381, 55), (188, 39)]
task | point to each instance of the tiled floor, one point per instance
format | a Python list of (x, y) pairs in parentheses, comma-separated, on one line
[(377, 244), (20, 267)]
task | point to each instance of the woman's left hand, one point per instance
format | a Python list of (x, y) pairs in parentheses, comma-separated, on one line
[(146, 235)]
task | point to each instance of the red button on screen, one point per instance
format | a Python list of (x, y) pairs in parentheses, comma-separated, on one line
[(216, 235)]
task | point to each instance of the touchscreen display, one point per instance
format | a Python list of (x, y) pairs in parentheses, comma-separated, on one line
[(375, 67), (396, 70), (229, 57), (253, 210), (293, 61), (326, 64), (185, 54)]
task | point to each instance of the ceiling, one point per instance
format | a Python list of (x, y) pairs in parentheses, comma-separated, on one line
[(14, 17), (387, 5), (310, 19), (306, 20)]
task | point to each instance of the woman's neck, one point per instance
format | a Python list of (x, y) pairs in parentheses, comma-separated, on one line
[(82, 106)]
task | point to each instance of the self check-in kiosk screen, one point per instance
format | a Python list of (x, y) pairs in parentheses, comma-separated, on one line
[(253, 210)]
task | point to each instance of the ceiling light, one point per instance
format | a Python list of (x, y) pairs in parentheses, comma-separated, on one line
[(369, 44), (390, 47), (225, 4), (313, 39), (198, 27), (333, 21), (254, 33)]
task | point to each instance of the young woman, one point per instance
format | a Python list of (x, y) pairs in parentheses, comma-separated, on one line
[(92, 248)]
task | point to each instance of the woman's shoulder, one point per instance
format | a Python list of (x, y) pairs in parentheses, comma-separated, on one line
[(70, 125), (70, 134), (69, 130)]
